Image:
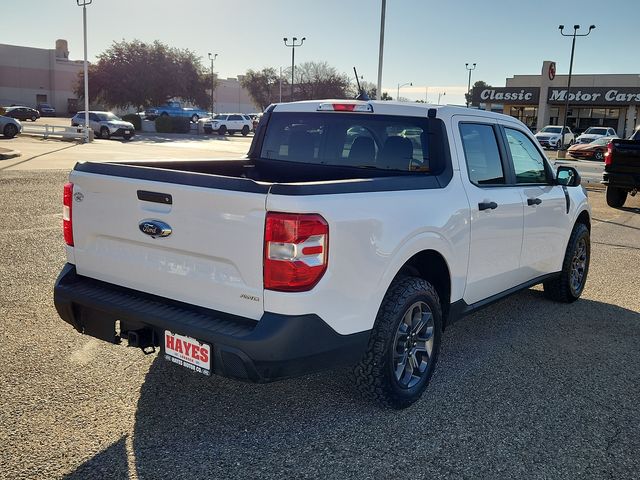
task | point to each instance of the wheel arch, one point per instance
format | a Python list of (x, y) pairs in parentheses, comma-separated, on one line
[(431, 266), (584, 218)]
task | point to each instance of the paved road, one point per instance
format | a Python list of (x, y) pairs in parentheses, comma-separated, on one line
[(524, 389)]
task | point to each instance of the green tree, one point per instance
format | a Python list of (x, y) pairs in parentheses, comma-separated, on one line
[(263, 86), (142, 74), (477, 86), (386, 96)]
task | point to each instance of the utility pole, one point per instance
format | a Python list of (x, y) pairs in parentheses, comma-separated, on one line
[(471, 69), (213, 81), (293, 46), (83, 4), (573, 47), (381, 49)]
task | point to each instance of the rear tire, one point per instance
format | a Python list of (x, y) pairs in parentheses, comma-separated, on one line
[(599, 155), (570, 284), (616, 197), (10, 130), (404, 344), (33, 118)]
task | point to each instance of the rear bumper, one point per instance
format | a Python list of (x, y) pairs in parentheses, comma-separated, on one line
[(276, 347), (622, 180)]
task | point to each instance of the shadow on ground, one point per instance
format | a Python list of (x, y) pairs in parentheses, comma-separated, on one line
[(526, 388)]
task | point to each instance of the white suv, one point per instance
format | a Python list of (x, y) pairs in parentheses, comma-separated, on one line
[(594, 133), (229, 123), (549, 136), (105, 125)]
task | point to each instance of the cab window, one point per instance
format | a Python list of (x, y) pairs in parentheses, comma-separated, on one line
[(481, 153), (528, 162)]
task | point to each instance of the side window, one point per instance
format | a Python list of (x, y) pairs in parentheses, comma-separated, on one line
[(482, 154), (528, 162), (94, 117), (234, 117)]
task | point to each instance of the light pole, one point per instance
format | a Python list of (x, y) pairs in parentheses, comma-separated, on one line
[(441, 94), (380, 51), (83, 4), (573, 47), (399, 87), (280, 78), (471, 69), (293, 46), (213, 82)]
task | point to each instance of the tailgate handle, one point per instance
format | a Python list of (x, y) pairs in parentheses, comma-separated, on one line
[(155, 197)]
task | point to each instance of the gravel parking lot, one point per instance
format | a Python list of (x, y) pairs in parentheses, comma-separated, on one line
[(523, 389)]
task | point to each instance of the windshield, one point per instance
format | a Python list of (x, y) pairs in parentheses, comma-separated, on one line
[(354, 140), (107, 117), (596, 131), (601, 141), (551, 130)]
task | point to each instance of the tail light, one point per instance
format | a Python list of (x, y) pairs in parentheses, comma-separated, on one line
[(67, 224), (608, 155), (295, 251)]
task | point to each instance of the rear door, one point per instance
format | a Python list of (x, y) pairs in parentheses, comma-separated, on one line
[(212, 257), (496, 210)]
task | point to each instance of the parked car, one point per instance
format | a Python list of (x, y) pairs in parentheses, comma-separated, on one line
[(46, 110), (593, 133), (549, 136), (175, 109), (229, 123), (10, 127), (316, 250), (105, 125), (595, 149), (622, 169), (22, 113)]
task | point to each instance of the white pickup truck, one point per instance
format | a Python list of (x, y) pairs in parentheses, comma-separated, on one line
[(353, 233)]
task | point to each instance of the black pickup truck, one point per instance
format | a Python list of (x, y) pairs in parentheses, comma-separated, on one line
[(622, 169)]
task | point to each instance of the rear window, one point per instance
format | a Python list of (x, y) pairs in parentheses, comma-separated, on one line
[(385, 142)]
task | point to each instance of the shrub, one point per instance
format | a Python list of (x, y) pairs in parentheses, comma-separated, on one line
[(134, 119), (163, 125), (180, 124), (173, 125)]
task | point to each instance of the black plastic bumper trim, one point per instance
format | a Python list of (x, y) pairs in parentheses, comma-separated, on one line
[(276, 347)]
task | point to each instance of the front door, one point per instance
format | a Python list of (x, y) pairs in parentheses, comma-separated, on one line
[(496, 210), (546, 220)]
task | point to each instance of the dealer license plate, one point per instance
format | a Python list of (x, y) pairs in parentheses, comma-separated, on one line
[(187, 352), (127, 132)]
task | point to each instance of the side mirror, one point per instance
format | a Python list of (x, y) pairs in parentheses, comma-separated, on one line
[(568, 176)]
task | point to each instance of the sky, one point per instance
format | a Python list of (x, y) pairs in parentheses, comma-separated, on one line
[(427, 42)]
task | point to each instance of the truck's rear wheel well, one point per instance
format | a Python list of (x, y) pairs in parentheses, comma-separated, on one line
[(432, 267), (584, 219)]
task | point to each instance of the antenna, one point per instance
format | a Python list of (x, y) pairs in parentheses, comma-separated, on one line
[(362, 95)]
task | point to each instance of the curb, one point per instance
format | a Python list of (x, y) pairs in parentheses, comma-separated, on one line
[(6, 154)]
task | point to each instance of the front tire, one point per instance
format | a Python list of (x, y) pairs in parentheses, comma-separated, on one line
[(10, 130), (105, 133), (599, 155), (569, 285), (616, 197), (222, 130), (195, 118), (245, 131), (404, 344)]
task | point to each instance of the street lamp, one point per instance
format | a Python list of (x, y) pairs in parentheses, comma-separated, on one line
[(293, 46), (399, 87), (471, 69), (213, 82), (440, 95), (573, 47), (83, 4)]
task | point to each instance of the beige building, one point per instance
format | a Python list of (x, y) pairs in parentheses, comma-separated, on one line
[(29, 76), (609, 100), (230, 97)]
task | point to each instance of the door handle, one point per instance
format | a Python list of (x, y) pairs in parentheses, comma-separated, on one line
[(487, 205), (533, 201)]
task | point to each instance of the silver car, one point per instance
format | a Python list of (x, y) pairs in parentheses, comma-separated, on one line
[(105, 125), (10, 127)]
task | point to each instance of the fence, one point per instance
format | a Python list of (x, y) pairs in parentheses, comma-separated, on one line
[(47, 131)]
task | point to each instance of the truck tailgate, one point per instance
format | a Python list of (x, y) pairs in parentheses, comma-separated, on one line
[(212, 258)]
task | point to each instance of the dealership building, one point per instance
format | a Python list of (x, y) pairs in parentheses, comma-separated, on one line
[(608, 100)]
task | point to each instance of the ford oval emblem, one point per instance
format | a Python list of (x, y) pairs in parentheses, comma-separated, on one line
[(154, 228)]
